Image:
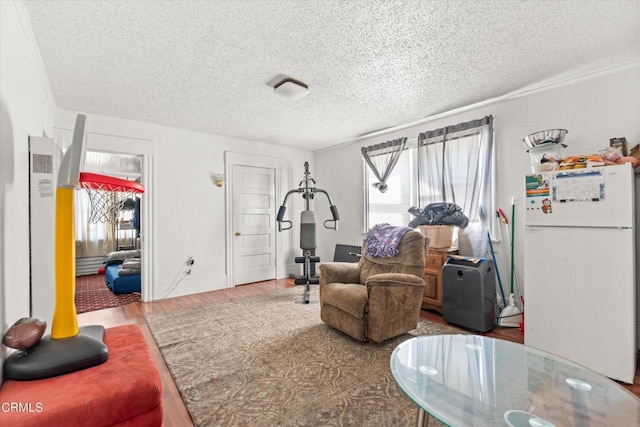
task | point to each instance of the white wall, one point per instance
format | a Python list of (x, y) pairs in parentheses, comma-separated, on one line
[(593, 109), (339, 171), (26, 108), (188, 209)]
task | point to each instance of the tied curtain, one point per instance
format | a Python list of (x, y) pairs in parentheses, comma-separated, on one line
[(455, 166), (382, 158)]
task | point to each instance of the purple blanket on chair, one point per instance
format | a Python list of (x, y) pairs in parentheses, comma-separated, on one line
[(382, 240)]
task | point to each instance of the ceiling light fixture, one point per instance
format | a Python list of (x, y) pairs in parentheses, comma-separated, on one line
[(291, 88)]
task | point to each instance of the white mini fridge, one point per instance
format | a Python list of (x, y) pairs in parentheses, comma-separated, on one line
[(579, 267)]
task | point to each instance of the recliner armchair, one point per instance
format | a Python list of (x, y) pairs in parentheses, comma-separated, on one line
[(376, 298)]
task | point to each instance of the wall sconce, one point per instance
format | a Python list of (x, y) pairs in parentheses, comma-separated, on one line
[(218, 179)]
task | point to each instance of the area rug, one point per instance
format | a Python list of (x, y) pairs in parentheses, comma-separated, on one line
[(266, 361), (93, 294)]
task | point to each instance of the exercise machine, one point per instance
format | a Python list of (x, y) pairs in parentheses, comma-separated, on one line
[(307, 231)]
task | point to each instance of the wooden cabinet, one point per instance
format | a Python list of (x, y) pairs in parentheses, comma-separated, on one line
[(436, 257)]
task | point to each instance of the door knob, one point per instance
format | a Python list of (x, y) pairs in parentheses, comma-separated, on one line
[(237, 233)]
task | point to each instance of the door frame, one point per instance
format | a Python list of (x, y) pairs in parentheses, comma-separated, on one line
[(232, 159), (146, 150)]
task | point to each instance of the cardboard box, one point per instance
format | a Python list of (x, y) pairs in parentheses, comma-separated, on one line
[(440, 235), (620, 144)]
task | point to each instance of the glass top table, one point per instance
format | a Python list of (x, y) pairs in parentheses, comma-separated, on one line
[(472, 380)]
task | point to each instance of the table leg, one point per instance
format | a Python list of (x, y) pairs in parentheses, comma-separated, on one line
[(422, 419)]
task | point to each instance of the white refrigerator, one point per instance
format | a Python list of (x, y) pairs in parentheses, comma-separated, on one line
[(579, 267)]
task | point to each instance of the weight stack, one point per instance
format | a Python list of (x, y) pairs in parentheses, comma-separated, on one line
[(469, 293)]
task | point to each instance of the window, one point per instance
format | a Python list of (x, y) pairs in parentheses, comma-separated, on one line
[(392, 206), (453, 164), (92, 238)]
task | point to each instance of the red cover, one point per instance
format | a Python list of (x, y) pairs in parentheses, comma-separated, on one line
[(124, 389)]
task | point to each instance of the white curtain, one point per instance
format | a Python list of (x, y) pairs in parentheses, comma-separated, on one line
[(91, 239), (455, 166)]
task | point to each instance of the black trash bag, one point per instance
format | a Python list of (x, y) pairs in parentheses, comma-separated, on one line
[(438, 214)]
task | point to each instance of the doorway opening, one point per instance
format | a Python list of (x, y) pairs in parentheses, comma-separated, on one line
[(108, 236)]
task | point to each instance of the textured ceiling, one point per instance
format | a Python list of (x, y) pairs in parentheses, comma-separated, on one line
[(210, 66)]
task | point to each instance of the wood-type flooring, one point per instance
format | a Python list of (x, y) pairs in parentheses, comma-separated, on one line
[(175, 412)]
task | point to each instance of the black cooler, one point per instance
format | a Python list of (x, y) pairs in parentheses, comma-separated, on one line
[(469, 293)]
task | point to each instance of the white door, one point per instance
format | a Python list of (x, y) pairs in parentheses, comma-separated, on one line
[(254, 230)]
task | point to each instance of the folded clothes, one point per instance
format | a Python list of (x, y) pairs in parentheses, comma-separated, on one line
[(131, 264), (127, 272)]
